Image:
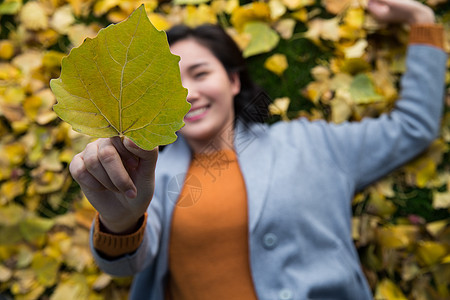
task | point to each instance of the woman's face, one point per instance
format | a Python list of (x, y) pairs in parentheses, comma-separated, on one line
[(210, 91)]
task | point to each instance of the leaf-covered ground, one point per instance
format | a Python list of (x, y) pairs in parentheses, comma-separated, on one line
[(320, 59)]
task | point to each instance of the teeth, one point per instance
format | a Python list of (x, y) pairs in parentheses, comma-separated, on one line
[(196, 112)]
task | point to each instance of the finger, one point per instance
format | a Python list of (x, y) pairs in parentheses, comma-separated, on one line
[(379, 9), (112, 164), (129, 159), (147, 158), (136, 150), (94, 166), (81, 175)]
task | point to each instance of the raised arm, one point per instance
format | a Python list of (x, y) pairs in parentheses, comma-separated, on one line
[(369, 149), (376, 146)]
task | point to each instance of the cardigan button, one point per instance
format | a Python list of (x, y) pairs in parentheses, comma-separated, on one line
[(270, 240), (285, 294)]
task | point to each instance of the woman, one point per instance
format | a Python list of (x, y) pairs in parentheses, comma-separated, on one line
[(263, 212)]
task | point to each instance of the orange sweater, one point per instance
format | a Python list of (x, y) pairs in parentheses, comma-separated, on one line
[(208, 256)]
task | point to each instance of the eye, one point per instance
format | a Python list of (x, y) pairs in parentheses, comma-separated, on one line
[(200, 75)]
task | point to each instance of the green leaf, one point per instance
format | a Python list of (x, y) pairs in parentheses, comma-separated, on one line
[(9, 236), (124, 82), (74, 288), (11, 215), (24, 256), (35, 227), (362, 90), (263, 38), (46, 269), (10, 7)]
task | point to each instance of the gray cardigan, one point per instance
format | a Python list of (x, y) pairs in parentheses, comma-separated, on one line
[(300, 178)]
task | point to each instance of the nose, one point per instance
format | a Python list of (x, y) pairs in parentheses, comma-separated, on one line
[(192, 93)]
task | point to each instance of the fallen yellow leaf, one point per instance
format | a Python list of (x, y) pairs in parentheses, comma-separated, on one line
[(285, 28), (255, 11), (202, 14), (441, 200), (357, 50), (276, 63), (62, 19), (33, 16), (296, 4), (6, 49), (279, 106), (11, 189), (277, 9), (397, 236), (387, 289), (430, 253)]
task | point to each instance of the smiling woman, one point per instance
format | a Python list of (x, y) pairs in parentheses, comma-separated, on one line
[(268, 215), (249, 106), (211, 91)]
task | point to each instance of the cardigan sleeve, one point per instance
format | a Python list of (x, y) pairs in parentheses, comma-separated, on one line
[(126, 255), (428, 34), (115, 245), (369, 149)]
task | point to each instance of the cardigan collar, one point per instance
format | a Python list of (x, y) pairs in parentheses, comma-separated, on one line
[(255, 156)]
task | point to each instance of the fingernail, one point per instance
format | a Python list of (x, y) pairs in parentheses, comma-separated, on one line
[(130, 193), (130, 143)]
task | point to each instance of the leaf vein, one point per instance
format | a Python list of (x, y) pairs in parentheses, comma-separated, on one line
[(84, 112), (149, 123), (109, 52), (139, 75), (104, 80), (123, 72), (146, 90), (150, 132), (145, 70), (90, 97)]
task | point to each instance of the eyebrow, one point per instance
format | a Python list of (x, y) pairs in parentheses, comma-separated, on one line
[(193, 67)]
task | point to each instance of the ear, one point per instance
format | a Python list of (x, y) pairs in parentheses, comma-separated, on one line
[(235, 83)]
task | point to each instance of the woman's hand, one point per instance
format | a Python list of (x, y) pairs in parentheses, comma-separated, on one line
[(118, 178), (401, 11)]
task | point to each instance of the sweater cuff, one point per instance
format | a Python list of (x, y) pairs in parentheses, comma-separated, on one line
[(428, 34), (112, 245)]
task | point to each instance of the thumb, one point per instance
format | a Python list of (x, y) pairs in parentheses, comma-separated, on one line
[(147, 158), (139, 152)]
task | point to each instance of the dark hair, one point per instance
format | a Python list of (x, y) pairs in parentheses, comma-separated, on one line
[(251, 103)]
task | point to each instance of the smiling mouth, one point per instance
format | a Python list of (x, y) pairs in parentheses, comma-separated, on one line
[(196, 114)]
